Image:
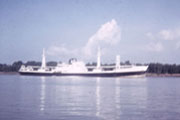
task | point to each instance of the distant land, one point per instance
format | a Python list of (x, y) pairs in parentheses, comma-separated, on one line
[(155, 69)]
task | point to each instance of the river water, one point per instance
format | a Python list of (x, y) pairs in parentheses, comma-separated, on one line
[(86, 98)]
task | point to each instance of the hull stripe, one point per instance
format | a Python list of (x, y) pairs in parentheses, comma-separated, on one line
[(88, 75)]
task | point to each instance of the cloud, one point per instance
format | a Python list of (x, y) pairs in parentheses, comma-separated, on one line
[(61, 51), (167, 34), (108, 34), (164, 34), (155, 47), (178, 45), (150, 35)]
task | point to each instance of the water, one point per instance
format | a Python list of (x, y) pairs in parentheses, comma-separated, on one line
[(81, 98)]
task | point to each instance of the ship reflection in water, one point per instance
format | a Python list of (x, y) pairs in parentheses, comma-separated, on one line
[(85, 98), (95, 98), (43, 93)]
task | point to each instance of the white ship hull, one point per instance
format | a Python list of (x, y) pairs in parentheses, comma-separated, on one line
[(90, 74), (136, 70), (105, 74), (35, 73), (133, 70)]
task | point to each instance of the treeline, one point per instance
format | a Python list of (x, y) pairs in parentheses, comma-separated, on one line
[(16, 65), (157, 68)]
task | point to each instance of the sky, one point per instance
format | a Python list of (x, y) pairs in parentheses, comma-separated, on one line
[(139, 31)]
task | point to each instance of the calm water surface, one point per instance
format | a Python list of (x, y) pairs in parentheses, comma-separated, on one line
[(81, 98)]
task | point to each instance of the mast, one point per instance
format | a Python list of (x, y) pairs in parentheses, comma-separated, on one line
[(43, 65), (117, 62), (98, 58)]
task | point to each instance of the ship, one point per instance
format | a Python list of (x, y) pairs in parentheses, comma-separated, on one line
[(79, 68)]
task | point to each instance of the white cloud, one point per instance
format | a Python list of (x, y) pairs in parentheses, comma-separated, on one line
[(61, 51), (167, 34), (178, 32), (108, 34), (155, 47), (178, 45), (150, 35)]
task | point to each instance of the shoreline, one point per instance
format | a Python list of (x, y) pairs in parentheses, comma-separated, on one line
[(9, 73), (147, 74), (163, 75)]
